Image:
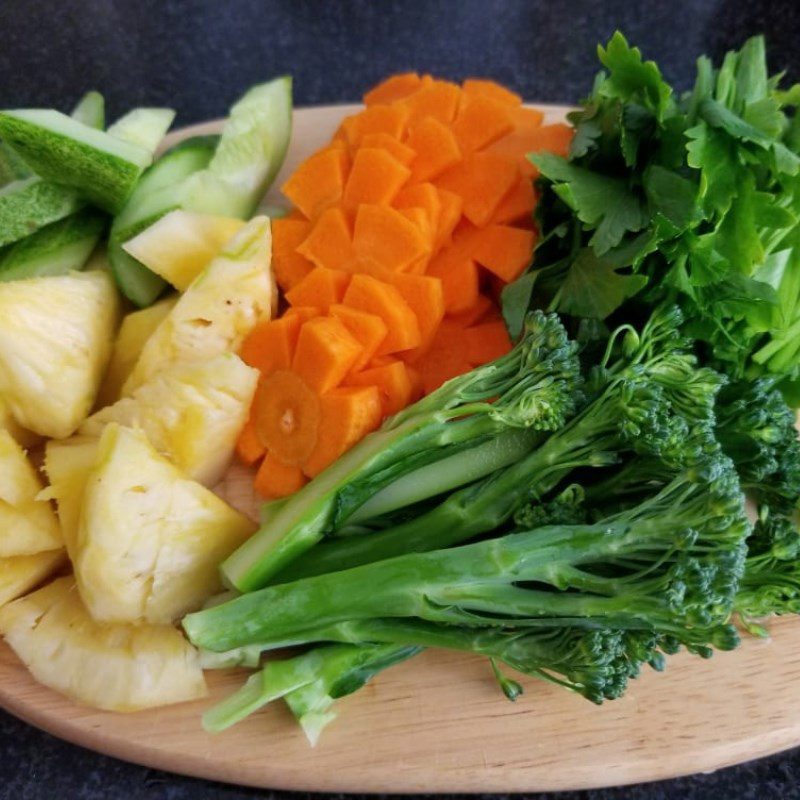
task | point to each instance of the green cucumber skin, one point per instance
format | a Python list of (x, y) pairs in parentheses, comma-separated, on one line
[(100, 167), (27, 205), (56, 249), (91, 110), (12, 167), (156, 195)]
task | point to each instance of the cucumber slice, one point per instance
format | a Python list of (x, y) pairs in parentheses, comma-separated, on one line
[(29, 204), (12, 167), (157, 193), (145, 127), (101, 167), (55, 249), (91, 111)]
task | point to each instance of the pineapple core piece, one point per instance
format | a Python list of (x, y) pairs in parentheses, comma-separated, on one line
[(27, 525), (108, 666), (149, 540), (191, 413), (55, 339), (218, 310)]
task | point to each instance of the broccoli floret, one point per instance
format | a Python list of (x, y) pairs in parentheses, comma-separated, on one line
[(568, 507)]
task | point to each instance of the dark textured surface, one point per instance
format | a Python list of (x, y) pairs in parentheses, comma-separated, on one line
[(197, 55)]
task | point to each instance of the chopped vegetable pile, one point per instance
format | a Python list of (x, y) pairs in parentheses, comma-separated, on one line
[(507, 387)]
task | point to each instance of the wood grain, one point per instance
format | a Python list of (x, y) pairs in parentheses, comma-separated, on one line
[(438, 723)]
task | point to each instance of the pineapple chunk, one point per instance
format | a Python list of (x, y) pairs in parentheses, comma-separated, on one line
[(180, 244), (7, 423), (218, 310), (20, 574), (67, 464), (191, 413), (135, 330), (55, 340), (149, 540), (112, 667), (27, 525)]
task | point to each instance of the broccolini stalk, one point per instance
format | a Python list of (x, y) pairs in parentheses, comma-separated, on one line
[(534, 387), (670, 565)]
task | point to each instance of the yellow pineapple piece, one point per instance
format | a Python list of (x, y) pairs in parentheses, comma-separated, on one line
[(7, 423), (20, 574), (191, 413), (108, 666), (55, 339), (149, 540), (134, 331), (27, 525), (218, 310), (180, 244)]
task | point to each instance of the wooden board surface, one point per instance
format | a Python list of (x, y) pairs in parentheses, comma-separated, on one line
[(438, 723)]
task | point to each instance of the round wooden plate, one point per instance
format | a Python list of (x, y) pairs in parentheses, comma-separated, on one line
[(438, 723)]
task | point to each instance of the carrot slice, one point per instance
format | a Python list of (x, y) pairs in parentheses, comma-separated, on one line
[(449, 217), (376, 297), (270, 345), (348, 415), (286, 416), (438, 99), (486, 342), (275, 478), (383, 141), (482, 306), (330, 243), (458, 274), (385, 238), (392, 381), (518, 204), (248, 447), (288, 265), (482, 180), (417, 387), (393, 88), (303, 313), (320, 288), (425, 298), (504, 250), (368, 329), (436, 148), (530, 136), (481, 121), (446, 358), (375, 177), (391, 119), (325, 353), (419, 218), (425, 196), (485, 88), (318, 182)]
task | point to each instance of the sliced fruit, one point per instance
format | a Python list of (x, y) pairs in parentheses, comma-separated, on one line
[(55, 339), (166, 564), (20, 574), (7, 423), (113, 667)]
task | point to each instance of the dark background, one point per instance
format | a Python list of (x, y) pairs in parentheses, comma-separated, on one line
[(199, 55)]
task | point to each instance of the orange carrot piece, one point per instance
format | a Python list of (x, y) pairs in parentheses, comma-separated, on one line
[(385, 238), (553, 138), (330, 243), (417, 387), (383, 141), (368, 329), (481, 121), (486, 342), (425, 298), (505, 251), (376, 297), (286, 416), (438, 99), (530, 136), (318, 182), (392, 381), (475, 313), (420, 219), (486, 88), (248, 447), (393, 88), (375, 177), (391, 119), (436, 148), (325, 353), (449, 217), (303, 313), (270, 345), (348, 415), (446, 358), (425, 196), (482, 180), (320, 288), (288, 265), (518, 204), (458, 274), (275, 478)]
